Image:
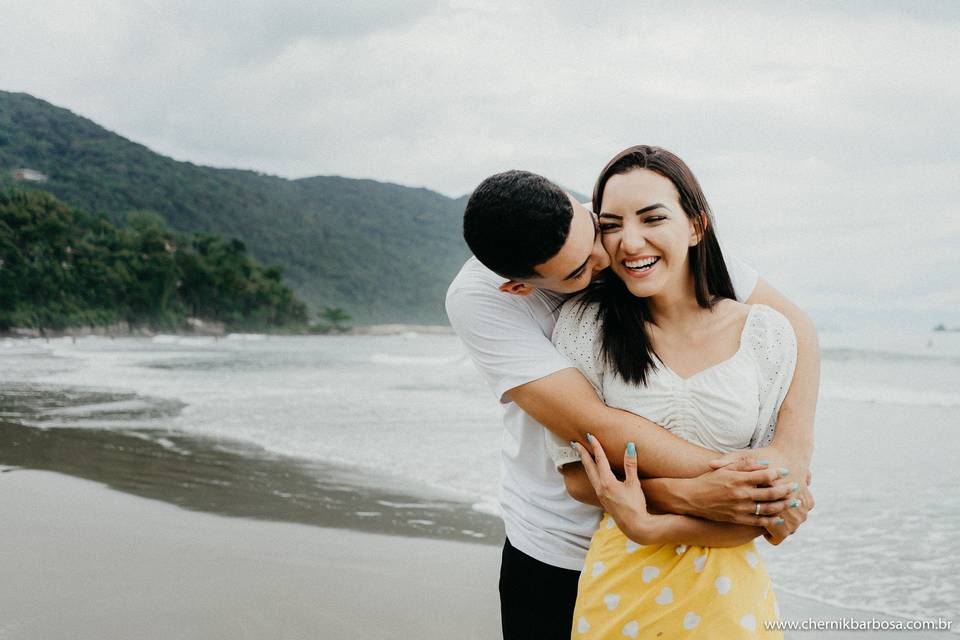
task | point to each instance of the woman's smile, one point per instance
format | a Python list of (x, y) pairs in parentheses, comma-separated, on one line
[(640, 267)]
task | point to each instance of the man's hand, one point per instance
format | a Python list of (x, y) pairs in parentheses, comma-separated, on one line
[(736, 491)]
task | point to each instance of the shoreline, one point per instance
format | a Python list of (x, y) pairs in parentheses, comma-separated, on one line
[(237, 479), (117, 565), (203, 329)]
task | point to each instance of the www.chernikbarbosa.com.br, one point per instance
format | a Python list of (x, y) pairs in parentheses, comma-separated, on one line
[(858, 624)]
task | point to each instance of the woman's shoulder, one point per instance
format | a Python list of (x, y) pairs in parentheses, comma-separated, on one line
[(577, 318), (768, 333)]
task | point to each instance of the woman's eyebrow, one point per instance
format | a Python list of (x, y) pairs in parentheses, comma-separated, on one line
[(656, 205)]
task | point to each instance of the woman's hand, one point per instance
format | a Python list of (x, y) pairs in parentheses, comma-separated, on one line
[(798, 504), (624, 501), (792, 517), (742, 492)]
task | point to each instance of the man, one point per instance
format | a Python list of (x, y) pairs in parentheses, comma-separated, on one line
[(533, 246)]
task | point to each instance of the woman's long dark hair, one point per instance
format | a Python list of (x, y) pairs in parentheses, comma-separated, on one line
[(624, 343)]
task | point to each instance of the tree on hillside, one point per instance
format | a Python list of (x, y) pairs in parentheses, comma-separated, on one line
[(336, 317)]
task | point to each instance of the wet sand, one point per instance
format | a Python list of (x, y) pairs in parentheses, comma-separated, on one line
[(232, 478), (82, 561)]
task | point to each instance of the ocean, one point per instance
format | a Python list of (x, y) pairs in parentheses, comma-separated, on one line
[(411, 411)]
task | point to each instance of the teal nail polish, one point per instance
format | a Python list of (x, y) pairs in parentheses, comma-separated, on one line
[(794, 487), (573, 444), (589, 438), (780, 521), (784, 472), (794, 503), (631, 449), (763, 462)]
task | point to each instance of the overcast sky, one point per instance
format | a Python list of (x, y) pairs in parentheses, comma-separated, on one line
[(825, 134)]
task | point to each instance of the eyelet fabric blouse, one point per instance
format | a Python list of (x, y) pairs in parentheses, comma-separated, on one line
[(629, 590)]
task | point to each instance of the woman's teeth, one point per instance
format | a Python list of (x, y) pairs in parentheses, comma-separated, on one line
[(641, 265)]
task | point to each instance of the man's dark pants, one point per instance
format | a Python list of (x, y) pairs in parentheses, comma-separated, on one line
[(536, 599)]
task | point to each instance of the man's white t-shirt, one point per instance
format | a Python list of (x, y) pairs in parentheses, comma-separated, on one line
[(508, 338)]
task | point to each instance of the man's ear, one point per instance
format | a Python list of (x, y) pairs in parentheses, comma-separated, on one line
[(697, 227), (516, 288)]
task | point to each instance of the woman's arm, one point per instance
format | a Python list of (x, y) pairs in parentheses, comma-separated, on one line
[(626, 504), (669, 528), (728, 495)]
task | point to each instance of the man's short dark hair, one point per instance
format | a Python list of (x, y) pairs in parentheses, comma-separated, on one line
[(516, 220)]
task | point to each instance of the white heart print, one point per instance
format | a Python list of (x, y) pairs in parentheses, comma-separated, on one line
[(582, 625), (723, 584), (631, 629), (666, 596), (649, 573), (611, 600), (690, 620), (699, 563)]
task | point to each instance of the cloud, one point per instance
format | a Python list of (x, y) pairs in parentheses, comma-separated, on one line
[(824, 134)]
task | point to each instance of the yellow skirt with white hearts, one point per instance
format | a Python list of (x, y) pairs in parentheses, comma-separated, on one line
[(668, 591)]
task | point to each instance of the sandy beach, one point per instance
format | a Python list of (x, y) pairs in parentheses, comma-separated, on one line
[(84, 561), (344, 488)]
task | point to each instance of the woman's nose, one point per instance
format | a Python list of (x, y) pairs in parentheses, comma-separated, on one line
[(633, 238)]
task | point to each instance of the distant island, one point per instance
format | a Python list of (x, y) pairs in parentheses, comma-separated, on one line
[(943, 327), (383, 253)]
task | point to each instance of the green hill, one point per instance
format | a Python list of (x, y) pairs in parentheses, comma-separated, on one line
[(383, 252), (60, 267)]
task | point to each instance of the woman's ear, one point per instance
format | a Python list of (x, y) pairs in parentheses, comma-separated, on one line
[(516, 288), (698, 225)]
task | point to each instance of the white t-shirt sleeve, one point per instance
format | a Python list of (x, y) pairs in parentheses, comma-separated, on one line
[(743, 276), (506, 342)]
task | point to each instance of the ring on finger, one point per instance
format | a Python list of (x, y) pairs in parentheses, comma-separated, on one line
[(756, 511)]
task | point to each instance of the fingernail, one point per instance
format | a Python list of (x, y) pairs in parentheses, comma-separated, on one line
[(794, 503), (763, 462), (589, 438), (573, 444), (780, 521), (794, 487), (631, 449), (784, 472)]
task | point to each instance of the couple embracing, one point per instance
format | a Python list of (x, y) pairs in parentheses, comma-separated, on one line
[(658, 401)]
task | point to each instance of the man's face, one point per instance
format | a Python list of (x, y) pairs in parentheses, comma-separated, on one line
[(580, 258)]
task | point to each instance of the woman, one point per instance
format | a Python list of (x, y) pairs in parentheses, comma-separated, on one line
[(664, 337)]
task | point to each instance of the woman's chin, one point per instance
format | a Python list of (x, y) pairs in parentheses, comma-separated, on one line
[(641, 288)]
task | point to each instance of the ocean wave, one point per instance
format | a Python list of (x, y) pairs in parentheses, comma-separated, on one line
[(847, 354), (891, 395), (391, 359)]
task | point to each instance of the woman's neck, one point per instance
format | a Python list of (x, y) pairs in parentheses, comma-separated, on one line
[(676, 306)]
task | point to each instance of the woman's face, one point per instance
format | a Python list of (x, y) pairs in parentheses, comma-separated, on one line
[(646, 232)]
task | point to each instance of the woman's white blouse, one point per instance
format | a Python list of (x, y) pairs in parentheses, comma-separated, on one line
[(730, 405)]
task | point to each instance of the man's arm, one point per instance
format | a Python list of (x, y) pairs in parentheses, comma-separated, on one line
[(567, 404)]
